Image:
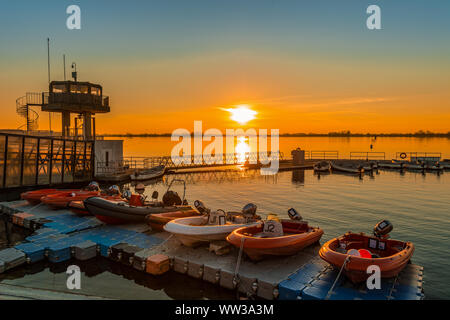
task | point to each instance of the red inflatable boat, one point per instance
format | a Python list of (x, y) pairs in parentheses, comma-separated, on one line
[(34, 197), (61, 200)]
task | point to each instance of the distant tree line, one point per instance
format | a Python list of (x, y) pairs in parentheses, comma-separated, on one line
[(346, 133)]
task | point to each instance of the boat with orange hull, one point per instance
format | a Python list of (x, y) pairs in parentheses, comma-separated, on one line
[(78, 208), (296, 236), (358, 251), (158, 220), (34, 197), (60, 200)]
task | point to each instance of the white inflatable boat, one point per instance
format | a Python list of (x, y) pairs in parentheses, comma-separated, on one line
[(192, 231)]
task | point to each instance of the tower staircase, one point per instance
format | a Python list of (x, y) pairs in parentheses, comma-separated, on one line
[(23, 108)]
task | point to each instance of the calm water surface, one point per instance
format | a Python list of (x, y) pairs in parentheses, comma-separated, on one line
[(418, 206), (162, 146)]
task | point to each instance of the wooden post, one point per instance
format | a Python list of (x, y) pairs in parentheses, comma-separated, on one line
[(36, 179), (5, 162), (22, 157), (50, 162), (63, 160)]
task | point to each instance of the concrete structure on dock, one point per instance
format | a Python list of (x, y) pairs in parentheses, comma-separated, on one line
[(298, 157), (108, 157), (60, 236)]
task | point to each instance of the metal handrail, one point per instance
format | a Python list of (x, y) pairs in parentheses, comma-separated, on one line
[(418, 154), (139, 162), (322, 155), (367, 155)]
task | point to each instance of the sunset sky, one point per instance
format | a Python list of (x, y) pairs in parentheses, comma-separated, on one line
[(303, 66)]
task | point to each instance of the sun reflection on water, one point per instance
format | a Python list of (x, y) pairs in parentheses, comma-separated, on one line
[(242, 149)]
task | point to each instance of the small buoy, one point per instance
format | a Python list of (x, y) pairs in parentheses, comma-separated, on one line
[(353, 252), (365, 253)]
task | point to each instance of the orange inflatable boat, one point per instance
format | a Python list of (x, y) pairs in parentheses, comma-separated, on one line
[(158, 220), (77, 207), (34, 197), (296, 236), (60, 200), (358, 251)]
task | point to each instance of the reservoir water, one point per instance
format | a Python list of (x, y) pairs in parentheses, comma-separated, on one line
[(162, 146), (417, 205)]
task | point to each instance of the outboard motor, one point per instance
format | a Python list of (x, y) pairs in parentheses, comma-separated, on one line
[(127, 194), (294, 215), (93, 186), (140, 188), (249, 211), (200, 206), (382, 229), (113, 190), (155, 195), (171, 198), (218, 217)]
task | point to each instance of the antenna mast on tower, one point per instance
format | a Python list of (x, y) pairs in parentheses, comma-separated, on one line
[(48, 62)]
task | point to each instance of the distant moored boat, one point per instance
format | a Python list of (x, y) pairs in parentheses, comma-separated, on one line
[(153, 173)]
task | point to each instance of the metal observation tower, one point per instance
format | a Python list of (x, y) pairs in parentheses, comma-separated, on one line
[(85, 99)]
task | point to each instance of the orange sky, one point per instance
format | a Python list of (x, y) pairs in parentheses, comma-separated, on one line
[(301, 68), (290, 94)]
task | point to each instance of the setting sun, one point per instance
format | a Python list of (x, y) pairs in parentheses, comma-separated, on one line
[(242, 114)]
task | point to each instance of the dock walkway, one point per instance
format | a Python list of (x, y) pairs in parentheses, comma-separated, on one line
[(61, 236)]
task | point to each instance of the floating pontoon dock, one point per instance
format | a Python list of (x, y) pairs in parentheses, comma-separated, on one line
[(60, 236)]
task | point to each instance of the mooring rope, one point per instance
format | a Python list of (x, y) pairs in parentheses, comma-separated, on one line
[(392, 288), (238, 264), (337, 278), (140, 233), (32, 208), (36, 206)]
